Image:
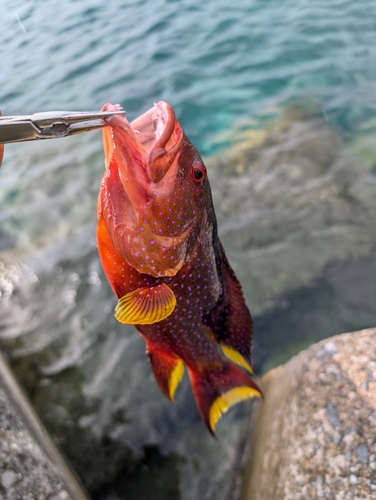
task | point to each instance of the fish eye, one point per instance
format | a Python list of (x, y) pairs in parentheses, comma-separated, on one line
[(198, 173)]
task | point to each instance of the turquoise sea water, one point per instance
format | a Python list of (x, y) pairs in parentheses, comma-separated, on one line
[(224, 66), (218, 63)]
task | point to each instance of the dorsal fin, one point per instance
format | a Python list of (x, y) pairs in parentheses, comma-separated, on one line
[(236, 357), (230, 320)]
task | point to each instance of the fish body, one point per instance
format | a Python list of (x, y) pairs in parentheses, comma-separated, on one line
[(159, 248)]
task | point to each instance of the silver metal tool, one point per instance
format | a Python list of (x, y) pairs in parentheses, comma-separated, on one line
[(51, 125)]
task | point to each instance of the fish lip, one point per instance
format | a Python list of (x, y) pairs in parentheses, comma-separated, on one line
[(153, 139), (149, 127), (155, 127)]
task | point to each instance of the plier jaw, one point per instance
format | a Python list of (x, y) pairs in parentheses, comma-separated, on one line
[(51, 125)]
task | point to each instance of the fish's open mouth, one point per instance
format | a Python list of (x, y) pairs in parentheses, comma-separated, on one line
[(150, 128), (154, 125), (153, 139)]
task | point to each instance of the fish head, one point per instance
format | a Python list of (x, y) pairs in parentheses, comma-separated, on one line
[(155, 194)]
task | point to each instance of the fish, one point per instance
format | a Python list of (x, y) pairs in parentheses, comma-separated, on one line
[(160, 251)]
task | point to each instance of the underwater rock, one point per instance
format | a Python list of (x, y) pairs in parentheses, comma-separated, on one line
[(297, 216), (314, 432), (289, 206)]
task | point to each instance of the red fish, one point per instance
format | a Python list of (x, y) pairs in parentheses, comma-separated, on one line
[(158, 244)]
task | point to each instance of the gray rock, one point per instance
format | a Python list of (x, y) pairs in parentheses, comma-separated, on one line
[(25, 473), (296, 211), (29, 459), (289, 205), (314, 431), (8, 478), (362, 454)]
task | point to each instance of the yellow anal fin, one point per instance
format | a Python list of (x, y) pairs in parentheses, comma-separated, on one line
[(222, 404), (175, 378), (235, 356), (168, 370), (145, 306)]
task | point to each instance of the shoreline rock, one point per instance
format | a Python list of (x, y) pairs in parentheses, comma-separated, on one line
[(314, 433), (31, 466)]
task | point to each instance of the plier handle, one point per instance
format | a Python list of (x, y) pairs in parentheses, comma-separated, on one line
[(51, 125)]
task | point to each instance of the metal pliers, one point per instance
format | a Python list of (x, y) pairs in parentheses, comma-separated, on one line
[(51, 125)]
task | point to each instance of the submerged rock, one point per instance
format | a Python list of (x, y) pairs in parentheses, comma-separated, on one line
[(297, 216), (314, 433), (291, 205)]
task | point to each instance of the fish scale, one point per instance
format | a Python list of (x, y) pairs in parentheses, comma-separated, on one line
[(159, 248)]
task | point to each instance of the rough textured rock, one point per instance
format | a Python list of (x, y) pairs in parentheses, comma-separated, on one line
[(314, 435), (24, 471)]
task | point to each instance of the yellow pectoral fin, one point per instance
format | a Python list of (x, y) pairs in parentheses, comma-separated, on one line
[(235, 356), (146, 306), (228, 399)]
